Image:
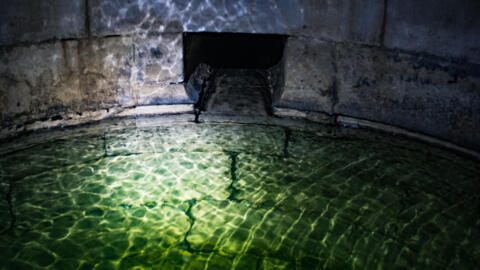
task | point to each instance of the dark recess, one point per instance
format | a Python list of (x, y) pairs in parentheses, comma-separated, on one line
[(231, 50)]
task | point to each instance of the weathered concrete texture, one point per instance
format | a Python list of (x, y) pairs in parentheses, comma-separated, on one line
[(439, 27), (33, 20), (162, 94), (344, 20), (198, 82), (238, 92), (158, 110), (105, 66), (158, 70), (309, 76), (346, 121), (39, 81), (329, 19), (318, 117), (125, 16), (159, 58), (71, 82), (422, 94), (276, 78)]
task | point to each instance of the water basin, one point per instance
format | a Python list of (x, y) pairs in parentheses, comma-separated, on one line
[(222, 195)]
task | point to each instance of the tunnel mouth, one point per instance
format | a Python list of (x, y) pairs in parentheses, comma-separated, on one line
[(231, 50), (232, 73)]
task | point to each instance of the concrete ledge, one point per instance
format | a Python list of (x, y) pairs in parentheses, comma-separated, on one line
[(318, 117), (360, 123), (174, 114), (158, 109), (93, 116), (352, 122)]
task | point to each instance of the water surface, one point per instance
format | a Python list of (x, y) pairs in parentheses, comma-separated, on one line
[(230, 196)]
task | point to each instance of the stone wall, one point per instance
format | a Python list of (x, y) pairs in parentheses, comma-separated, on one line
[(411, 64)]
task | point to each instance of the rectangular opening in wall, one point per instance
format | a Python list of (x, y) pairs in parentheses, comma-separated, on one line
[(239, 64), (231, 50)]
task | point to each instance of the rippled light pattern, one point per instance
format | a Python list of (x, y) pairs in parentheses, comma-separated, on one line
[(227, 196)]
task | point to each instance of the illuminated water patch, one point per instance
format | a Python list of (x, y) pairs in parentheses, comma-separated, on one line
[(218, 196)]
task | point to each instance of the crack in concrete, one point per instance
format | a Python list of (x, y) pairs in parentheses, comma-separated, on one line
[(286, 142), (204, 94), (233, 176), (266, 93), (196, 111), (10, 206), (104, 144), (185, 245), (13, 217)]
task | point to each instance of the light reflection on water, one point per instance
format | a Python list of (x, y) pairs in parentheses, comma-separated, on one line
[(216, 196)]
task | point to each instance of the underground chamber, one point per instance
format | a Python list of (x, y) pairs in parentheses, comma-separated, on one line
[(257, 140)]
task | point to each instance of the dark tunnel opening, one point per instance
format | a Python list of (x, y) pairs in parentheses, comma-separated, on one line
[(231, 50), (230, 73)]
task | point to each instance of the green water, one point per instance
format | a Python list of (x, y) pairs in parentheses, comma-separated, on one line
[(229, 196)]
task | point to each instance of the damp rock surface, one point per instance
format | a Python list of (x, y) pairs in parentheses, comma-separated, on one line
[(239, 92), (232, 196)]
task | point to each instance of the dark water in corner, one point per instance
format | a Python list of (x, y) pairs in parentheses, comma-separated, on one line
[(214, 196)]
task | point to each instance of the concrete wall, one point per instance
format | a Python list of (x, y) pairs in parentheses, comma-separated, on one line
[(449, 28), (412, 64)]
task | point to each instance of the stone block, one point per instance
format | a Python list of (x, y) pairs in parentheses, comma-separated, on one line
[(33, 20), (160, 94), (106, 67), (158, 70), (150, 16), (426, 95), (39, 81), (344, 20), (439, 27), (309, 76)]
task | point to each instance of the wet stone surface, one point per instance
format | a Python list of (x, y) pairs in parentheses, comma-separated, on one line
[(230, 196), (239, 92)]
